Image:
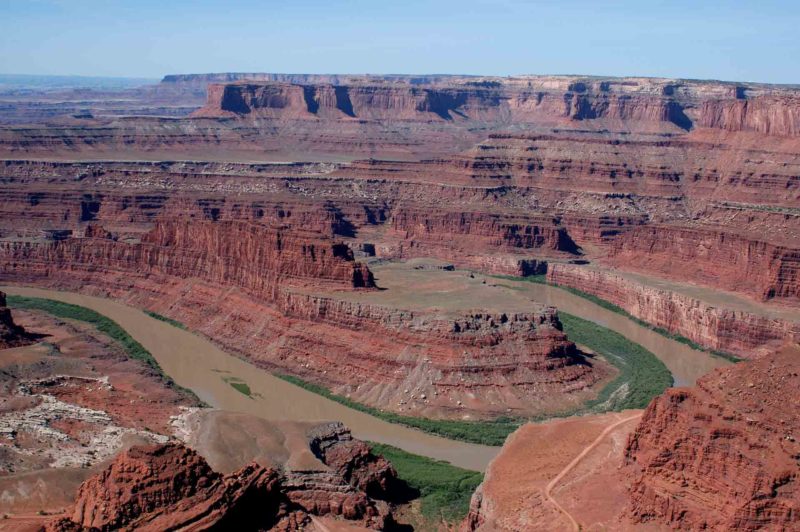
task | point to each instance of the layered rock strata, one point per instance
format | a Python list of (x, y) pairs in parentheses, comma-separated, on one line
[(722, 455), (353, 460), (678, 104), (263, 281), (643, 202), (169, 486), (733, 331)]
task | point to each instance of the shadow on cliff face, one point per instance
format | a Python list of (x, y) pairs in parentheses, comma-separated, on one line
[(340, 225), (399, 492), (676, 115)]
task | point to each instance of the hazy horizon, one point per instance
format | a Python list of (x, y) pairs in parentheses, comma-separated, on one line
[(711, 40)]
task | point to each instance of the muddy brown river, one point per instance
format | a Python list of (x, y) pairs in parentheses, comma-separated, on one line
[(685, 364), (196, 363)]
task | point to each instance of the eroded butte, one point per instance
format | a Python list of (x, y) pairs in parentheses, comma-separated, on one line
[(349, 231)]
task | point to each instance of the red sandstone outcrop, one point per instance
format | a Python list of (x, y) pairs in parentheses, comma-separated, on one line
[(353, 460), (11, 334), (738, 332), (722, 455), (169, 486)]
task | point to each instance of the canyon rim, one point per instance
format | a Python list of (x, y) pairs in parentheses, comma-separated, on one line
[(250, 300)]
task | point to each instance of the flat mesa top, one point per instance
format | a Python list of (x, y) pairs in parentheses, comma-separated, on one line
[(431, 285)]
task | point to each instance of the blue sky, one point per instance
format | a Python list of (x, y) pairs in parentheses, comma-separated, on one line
[(731, 40)]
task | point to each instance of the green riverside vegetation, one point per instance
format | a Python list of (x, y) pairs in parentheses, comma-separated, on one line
[(444, 489), (103, 324), (641, 377), (486, 432), (159, 317), (239, 385), (600, 302)]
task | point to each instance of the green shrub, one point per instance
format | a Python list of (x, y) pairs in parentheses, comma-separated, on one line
[(444, 489), (159, 317)]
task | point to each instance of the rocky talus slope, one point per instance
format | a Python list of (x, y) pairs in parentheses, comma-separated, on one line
[(724, 454), (169, 487)]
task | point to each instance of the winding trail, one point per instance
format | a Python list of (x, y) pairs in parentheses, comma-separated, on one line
[(575, 461)]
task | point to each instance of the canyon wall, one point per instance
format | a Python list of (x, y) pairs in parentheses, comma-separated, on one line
[(722, 455), (670, 105), (763, 269), (270, 295), (514, 198), (770, 116), (738, 332), (254, 257)]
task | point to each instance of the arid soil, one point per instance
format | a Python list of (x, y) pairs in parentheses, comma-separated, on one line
[(68, 403), (260, 210), (557, 475), (718, 456)]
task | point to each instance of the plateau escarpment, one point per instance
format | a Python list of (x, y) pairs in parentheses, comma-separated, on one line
[(722, 455), (256, 290), (671, 105)]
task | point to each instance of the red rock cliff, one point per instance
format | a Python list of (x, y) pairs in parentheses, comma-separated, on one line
[(722, 455), (738, 332), (767, 115), (170, 487)]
